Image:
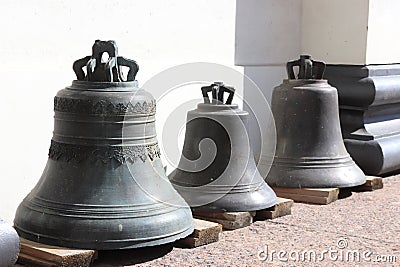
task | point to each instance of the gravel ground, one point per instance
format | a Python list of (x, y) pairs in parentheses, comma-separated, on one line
[(365, 224)]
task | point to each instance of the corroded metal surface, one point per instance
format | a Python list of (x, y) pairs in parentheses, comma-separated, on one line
[(217, 172), (104, 186), (310, 151)]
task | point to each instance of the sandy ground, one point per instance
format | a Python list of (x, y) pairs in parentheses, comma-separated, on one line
[(364, 224), (360, 230)]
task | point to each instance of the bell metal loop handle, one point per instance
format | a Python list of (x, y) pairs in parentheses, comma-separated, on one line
[(108, 71), (217, 90), (308, 68), (133, 67)]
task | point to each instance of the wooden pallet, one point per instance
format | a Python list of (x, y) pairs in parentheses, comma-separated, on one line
[(373, 183), (320, 196), (282, 208), (41, 255), (236, 220), (36, 254), (228, 220), (205, 232), (324, 196)]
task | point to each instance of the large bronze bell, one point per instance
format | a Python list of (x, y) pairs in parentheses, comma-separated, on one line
[(310, 151), (217, 171), (104, 186)]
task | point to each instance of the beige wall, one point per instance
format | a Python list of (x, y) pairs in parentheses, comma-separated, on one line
[(383, 45), (352, 31), (267, 31), (335, 31), (271, 32)]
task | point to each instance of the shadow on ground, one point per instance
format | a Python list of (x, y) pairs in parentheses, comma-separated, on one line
[(131, 256)]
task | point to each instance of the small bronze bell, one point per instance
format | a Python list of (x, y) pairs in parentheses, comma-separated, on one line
[(102, 159), (217, 171), (9, 245), (310, 151)]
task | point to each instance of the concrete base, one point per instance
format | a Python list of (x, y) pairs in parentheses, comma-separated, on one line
[(369, 99)]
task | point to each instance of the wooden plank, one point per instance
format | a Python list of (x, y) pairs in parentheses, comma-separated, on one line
[(230, 216), (321, 196), (28, 260), (36, 254), (282, 208), (372, 183), (228, 220), (305, 198), (319, 192), (205, 232)]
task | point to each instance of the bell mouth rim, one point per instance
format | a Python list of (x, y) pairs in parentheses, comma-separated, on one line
[(95, 86)]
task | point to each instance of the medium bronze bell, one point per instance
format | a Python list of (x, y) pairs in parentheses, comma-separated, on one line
[(217, 171), (310, 151), (104, 186)]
